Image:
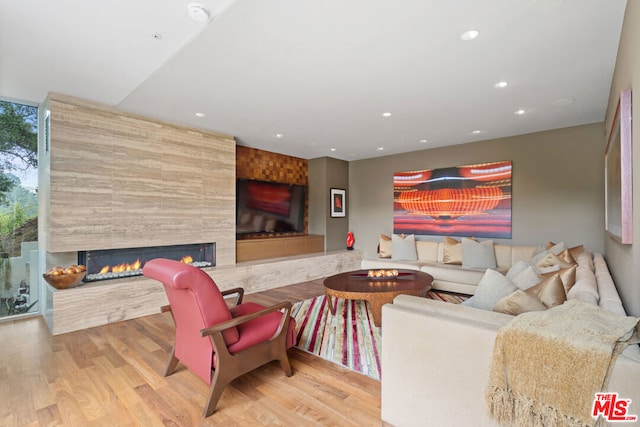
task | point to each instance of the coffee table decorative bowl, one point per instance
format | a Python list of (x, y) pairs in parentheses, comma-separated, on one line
[(377, 289)]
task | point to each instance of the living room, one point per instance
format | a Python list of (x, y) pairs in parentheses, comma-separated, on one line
[(558, 183)]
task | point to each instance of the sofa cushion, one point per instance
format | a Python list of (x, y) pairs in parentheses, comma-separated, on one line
[(519, 302), (478, 254), (385, 263), (384, 246), (521, 253), (586, 288), (503, 256), (427, 251), (452, 251), (492, 288), (403, 247), (585, 259), (453, 273)]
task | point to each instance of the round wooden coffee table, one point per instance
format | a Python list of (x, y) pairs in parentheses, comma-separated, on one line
[(356, 285)]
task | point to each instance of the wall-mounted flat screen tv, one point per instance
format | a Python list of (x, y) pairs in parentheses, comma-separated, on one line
[(269, 207)]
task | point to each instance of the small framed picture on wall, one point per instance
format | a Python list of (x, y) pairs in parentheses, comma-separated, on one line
[(338, 203)]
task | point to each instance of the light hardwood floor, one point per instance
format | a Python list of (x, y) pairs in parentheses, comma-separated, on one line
[(111, 376)]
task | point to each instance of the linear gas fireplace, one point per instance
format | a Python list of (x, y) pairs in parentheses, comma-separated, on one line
[(108, 264)]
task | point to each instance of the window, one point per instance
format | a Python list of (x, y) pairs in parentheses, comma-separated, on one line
[(19, 281)]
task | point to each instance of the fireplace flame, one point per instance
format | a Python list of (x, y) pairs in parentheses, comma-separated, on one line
[(120, 268), (186, 259)]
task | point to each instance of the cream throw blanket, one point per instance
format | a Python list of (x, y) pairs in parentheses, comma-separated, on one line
[(548, 365)]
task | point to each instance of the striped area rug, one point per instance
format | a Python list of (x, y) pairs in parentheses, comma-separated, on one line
[(349, 338)]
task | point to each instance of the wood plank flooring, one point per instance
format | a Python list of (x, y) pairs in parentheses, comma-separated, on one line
[(112, 376)]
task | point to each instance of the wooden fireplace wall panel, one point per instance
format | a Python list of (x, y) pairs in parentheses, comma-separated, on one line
[(118, 180), (276, 247)]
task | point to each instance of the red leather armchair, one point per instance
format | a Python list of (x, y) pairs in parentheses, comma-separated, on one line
[(217, 340)]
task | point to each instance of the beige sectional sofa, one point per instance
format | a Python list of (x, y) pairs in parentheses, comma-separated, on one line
[(437, 259), (436, 355)]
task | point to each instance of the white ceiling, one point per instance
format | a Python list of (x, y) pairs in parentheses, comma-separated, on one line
[(321, 73)]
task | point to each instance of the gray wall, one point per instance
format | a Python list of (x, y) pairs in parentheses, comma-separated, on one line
[(558, 186), (624, 260), (326, 173)]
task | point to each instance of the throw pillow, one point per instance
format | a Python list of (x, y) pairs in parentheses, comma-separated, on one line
[(555, 248), (403, 248), (478, 254), (519, 302), (516, 269), (576, 251), (566, 257), (427, 251), (452, 251), (385, 248), (550, 291), (492, 288), (526, 279), (550, 262), (567, 275)]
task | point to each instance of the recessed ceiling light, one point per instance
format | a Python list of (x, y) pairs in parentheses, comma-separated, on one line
[(469, 35), (200, 114), (423, 141), (501, 84), (520, 112), (198, 12), (380, 148), (279, 135), (477, 131), (386, 114), (332, 149), (564, 101)]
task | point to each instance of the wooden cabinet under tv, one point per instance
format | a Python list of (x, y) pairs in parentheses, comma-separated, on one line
[(276, 247)]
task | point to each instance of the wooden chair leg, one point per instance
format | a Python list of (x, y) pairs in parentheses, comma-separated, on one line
[(285, 365), (218, 385), (173, 362)]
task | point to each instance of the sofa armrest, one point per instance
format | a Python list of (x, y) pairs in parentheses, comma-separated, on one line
[(435, 363), (436, 358)]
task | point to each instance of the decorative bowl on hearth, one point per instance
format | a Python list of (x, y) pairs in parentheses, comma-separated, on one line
[(65, 278)]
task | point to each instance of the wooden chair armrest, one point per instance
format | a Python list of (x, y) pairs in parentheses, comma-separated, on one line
[(239, 294), (286, 305)]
